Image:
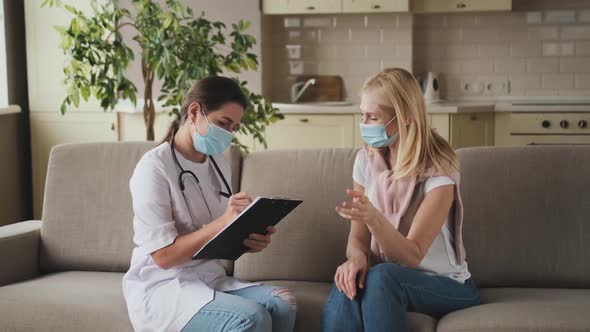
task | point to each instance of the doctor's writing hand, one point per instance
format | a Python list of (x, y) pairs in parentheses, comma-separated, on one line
[(236, 204), (259, 242)]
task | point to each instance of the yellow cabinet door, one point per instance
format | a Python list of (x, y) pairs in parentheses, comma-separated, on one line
[(375, 6), (464, 130), (50, 128), (450, 6), (476, 129), (311, 131), (301, 6), (276, 7), (441, 124)]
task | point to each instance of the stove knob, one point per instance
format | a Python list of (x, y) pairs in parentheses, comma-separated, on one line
[(546, 124), (583, 124), (564, 124)]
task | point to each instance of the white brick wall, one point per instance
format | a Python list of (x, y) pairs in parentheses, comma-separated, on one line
[(542, 47), (352, 46)]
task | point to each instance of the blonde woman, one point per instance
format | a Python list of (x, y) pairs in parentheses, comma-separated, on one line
[(405, 250)]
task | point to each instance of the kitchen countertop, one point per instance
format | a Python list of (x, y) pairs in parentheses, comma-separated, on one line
[(444, 107), (542, 107), (316, 109), (501, 104), (449, 107)]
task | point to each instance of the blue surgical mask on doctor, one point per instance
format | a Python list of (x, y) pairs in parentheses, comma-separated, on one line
[(375, 134), (215, 141)]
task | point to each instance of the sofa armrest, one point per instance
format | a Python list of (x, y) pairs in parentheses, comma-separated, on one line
[(19, 251)]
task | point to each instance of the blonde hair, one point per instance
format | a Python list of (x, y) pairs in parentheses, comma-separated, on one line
[(398, 93)]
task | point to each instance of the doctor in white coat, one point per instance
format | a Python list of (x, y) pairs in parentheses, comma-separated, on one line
[(181, 199)]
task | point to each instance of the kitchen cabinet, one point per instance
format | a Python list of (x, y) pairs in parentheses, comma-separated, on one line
[(456, 6), (311, 131), (460, 129), (279, 7), (275, 7), (328, 130), (342, 130), (375, 6), (465, 129)]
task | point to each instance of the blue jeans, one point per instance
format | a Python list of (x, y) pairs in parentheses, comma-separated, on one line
[(256, 308), (390, 291)]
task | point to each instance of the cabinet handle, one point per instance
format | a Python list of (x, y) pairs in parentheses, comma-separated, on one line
[(304, 120), (376, 7), (473, 118), (311, 8), (113, 126), (461, 5)]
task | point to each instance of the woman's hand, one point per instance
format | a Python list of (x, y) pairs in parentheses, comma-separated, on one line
[(236, 204), (258, 242), (347, 274), (360, 209)]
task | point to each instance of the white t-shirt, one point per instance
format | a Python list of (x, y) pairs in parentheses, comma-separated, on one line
[(165, 300), (440, 258)]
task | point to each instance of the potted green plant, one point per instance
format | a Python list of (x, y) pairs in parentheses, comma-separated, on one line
[(177, 47)]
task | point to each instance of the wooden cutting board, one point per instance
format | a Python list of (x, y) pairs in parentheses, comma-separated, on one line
[(326, 88)]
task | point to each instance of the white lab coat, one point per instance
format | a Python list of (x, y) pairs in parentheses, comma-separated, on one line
[(166, 300)]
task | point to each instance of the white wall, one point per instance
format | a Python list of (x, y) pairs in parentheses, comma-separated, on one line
[(45, 58)]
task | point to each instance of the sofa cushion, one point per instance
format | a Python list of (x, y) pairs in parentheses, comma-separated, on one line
[(67, 301), (521, 309), (527, 217), (311, 241), (87, 213), (312, 296)]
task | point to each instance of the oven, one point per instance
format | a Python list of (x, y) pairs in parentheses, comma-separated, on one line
[(549, 124)]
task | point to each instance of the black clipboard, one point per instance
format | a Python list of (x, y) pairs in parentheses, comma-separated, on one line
[(263, 212)]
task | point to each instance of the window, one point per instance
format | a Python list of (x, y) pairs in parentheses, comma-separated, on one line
[(3, 75)]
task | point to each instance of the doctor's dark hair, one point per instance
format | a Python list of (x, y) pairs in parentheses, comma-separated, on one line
[(212, 93)]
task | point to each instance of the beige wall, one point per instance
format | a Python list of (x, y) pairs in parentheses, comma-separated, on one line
[(11, 169)]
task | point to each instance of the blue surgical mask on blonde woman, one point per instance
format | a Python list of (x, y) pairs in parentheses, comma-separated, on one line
[(378, 128)]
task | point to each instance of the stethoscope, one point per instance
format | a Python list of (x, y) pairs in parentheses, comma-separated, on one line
[(184, 172)]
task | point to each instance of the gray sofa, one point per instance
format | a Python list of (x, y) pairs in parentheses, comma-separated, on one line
[(527, 233)]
